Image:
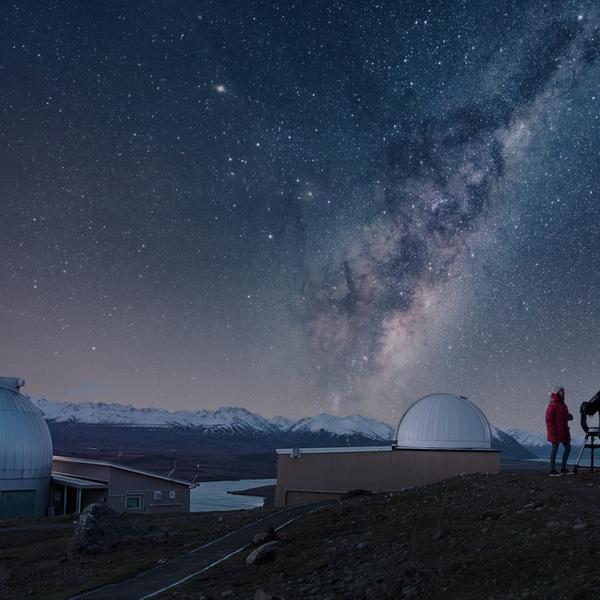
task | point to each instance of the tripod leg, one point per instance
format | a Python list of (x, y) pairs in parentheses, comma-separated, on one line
[(576, 468)]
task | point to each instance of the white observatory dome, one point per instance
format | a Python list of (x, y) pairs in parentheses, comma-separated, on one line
[(25, 453), (444, 421)]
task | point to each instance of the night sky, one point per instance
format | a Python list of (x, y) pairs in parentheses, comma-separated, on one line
[(301, 207)]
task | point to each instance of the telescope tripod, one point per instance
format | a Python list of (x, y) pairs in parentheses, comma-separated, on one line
[(592, 441)]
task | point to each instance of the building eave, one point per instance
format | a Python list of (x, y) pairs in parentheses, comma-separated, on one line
[(103, 463)]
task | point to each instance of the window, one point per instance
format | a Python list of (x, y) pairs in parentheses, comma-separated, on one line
[(172, 494), (157, 496), (133, 502)]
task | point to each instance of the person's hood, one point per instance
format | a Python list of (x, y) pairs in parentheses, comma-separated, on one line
[(556, 398)]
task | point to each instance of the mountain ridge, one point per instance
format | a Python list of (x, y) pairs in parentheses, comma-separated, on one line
[(229, 421)]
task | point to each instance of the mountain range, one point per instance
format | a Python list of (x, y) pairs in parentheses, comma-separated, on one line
[(230, 421)]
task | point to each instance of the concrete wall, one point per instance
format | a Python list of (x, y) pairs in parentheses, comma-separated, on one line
[(328, 474)]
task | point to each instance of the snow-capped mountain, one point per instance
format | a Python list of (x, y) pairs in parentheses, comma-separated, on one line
[(342, 426), (227, 418), (511, 448), (529, 439), (282, 423), (537, 443), (321, 429)]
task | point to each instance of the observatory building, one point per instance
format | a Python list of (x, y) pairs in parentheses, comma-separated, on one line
[(25, 454), (439, 436), (33, 483)]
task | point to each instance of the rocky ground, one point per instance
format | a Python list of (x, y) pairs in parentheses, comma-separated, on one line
[(521, 535), (42, 558)]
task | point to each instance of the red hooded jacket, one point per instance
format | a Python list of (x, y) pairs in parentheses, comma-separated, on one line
[(557, 420)]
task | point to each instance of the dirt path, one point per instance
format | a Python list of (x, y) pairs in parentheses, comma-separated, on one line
[(175, 572)]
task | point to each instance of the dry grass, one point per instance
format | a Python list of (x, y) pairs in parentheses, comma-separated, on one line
[(34, 560)]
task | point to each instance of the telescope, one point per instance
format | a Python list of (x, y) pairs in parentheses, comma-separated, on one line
[(589, 409), (592, 434)]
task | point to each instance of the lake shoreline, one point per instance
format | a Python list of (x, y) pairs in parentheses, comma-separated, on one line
[(265, 491)]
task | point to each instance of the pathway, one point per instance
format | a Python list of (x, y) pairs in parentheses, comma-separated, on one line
[(150, 584)]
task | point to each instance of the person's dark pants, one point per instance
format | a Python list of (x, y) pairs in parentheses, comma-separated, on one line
[(565, 456)]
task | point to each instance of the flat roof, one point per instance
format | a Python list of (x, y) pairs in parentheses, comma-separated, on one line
[(104, 463), (335, 450), (350, 449), (78, 482)]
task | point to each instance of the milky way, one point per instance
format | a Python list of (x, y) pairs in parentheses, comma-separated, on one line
[(301, 208), (440, 179)]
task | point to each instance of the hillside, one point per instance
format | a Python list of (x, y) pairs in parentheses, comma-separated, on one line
[(496, 537)]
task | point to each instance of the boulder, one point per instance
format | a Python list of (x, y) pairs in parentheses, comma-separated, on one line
[(262, 595), (97, 529), (262, 553), (355, 493), (262, 537)]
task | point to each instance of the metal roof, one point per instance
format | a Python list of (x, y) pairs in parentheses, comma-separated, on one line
[(78, 482), (104, 463), (444, 421), (335, 450), (25, 442)]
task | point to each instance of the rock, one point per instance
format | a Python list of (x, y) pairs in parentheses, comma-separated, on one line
[(362, 545), (410, 591), (262, 537), (262, 553), (530, 505), (553, 525), (355, 493), (97, 528), (579, 526), (262, 595)]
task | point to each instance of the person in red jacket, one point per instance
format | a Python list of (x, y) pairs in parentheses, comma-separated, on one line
[(557, 425)]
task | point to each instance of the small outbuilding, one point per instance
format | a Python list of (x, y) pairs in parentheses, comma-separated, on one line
[(439, 436), (33, 483), (78, 482)]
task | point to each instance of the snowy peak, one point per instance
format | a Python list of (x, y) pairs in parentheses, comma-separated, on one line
[(282, 423), (226, 418), (322, 429), (344, 426)]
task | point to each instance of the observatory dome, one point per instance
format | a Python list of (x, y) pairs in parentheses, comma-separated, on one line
[(444, 421), (25, 453)]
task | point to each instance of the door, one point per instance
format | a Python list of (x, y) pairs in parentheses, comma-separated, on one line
[(17, 504)]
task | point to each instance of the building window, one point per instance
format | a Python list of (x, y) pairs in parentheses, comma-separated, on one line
[(157, 496), (172, 494), (133, 502)]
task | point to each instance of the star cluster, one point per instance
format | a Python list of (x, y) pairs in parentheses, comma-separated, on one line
[(301, 207)]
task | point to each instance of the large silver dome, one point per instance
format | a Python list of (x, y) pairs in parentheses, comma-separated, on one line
[(443, 421), (25, 453)]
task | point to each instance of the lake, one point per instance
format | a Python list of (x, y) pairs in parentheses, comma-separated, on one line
[(212, 495)]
